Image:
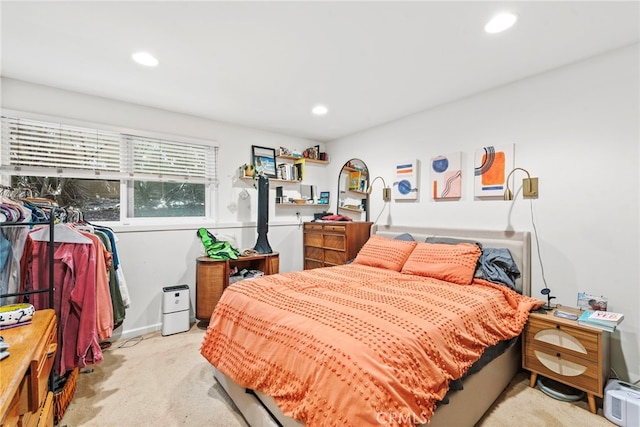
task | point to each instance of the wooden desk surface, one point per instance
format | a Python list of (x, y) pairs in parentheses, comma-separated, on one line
[(24, 342)]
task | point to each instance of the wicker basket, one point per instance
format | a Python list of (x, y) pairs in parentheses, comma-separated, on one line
[(62, 399)]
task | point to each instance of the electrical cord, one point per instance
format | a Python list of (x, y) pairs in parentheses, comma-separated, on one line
[(546, 291), (128, 343), (382, 210), (535, 234)]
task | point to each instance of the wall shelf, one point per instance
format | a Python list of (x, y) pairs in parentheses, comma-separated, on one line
[(350, 169), (291, 181), (323, 162), (302, 204), (351, 209), (294, 181)]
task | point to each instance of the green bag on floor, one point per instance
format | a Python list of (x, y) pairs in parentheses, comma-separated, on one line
[(216, 249)]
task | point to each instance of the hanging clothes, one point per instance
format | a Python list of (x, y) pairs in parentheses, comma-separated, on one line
[(122, 288), (75, 300), (104, 306), (12, 241), (117, 304)]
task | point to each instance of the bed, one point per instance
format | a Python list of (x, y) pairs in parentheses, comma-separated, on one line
[(379, 341)]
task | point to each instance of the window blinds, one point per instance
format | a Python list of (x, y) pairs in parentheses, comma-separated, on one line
[(32, 147), (152, 159)]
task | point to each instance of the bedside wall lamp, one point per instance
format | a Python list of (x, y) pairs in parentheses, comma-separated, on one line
[(386, 191), (529, 186)]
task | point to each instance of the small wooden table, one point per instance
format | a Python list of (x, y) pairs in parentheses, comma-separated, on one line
[(565, 351), (24, 375), (212, 277)]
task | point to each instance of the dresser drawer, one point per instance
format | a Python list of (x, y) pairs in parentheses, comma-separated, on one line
[(314, 253), (562, 338), (313, 239), (310, 264), (46, 415), (39, 369), (335, 228), (334, 257), (332, 241), (314, 226)]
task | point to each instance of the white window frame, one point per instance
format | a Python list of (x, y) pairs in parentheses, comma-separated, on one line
[(127, 176)]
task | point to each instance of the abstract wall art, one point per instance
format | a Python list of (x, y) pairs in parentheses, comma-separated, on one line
[(446, 176), (405, 185), (491, 166)]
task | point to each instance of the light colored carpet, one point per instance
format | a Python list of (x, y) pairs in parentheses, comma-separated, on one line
[(164, 381)]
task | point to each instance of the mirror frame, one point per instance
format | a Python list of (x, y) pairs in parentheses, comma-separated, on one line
[(363, 184)]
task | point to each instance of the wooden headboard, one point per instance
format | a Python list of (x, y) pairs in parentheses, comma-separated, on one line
[(518, 243)]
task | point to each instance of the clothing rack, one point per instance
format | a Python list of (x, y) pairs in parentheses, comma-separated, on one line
[(51, 288)]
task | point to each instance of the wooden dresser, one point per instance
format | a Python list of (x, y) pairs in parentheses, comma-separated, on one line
[(25, 399), (212, 278), (329, 243), (562, 350)]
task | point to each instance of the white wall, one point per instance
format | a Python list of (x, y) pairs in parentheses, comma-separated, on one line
[(155, 256), (577, 129)]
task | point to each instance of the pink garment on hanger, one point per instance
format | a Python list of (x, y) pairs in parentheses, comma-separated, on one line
[(104, 308), (74, 272)]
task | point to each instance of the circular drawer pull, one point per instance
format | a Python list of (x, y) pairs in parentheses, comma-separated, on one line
[(557, 326)]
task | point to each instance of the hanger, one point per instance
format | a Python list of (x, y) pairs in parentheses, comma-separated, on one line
[(61, 234), (84, 227)]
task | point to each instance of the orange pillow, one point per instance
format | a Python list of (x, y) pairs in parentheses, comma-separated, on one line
[(453, 263), (383, 252)]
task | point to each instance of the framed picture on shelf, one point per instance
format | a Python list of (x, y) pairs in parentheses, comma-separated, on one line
[(264, 160), (324, 198)]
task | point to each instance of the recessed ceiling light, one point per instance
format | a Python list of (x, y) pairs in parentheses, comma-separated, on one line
[(145, 58), (501, 22), (320, 110)]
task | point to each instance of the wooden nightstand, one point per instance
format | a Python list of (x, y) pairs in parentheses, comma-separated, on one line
[(562, 350), (212, 277)]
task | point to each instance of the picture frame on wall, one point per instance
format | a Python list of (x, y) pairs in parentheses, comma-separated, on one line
[(264, 160)]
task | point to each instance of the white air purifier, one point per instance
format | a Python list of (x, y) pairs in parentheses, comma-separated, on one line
[(622, 403), (175, 309)]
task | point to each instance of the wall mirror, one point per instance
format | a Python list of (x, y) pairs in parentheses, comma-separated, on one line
[(353, 181)]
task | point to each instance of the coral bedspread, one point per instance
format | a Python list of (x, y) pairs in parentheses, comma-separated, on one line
[(357, 345)]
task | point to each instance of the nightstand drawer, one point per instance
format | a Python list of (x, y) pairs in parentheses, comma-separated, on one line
[(562, 338), (564, 367)]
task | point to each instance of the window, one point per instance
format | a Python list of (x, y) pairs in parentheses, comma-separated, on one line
[(100, 171)]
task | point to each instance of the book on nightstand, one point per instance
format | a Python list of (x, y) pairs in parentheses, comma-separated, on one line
[(608, 317), (586, 320)]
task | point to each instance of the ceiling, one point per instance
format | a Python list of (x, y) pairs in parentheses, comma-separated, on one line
[(266, 64)]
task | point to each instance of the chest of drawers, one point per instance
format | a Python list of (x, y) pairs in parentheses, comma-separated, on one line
[(333, 243)]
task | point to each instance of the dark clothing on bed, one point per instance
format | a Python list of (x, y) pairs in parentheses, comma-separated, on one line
[(497, 265)]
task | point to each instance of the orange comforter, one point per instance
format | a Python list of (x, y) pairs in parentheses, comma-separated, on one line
[(357, 345)]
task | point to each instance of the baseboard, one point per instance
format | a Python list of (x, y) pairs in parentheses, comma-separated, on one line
[(132, 333)]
